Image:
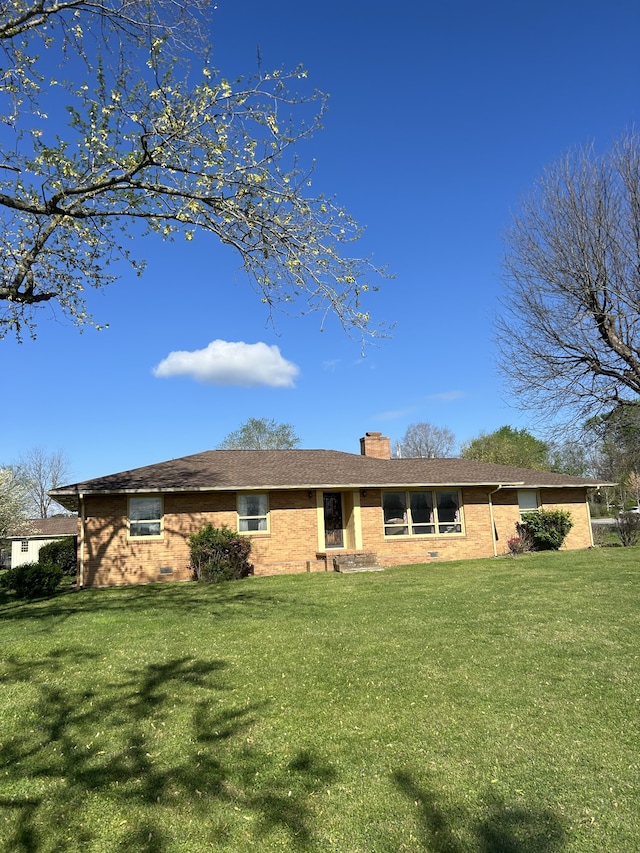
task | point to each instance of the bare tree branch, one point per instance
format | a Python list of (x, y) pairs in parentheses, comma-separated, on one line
[(424, 440), (569, 333), (39, 471)]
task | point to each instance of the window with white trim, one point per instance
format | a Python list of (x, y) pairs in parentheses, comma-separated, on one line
[(422, 513), (145, 516), (527, 500), (24, 546), (253, 513)]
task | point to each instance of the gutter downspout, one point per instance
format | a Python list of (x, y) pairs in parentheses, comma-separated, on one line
[(589, 517), (81, 560), (494, 532)]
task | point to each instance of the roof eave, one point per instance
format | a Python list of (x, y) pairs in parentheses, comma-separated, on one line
[(61, 496), (69, 498)]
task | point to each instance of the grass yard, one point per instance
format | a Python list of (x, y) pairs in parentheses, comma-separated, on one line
[(476, 706)]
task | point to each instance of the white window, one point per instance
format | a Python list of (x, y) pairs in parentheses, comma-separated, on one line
[(253, 513), (527, 500), (421, 513), (24, 546), (145, 516)]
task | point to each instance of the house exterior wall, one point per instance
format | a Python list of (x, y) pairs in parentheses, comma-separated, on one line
[(111, 558), (476, 541), (574, 501), (294, 540)]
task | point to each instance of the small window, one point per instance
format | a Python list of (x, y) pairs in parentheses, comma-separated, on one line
[(24, 546), (145, 516), (527, 500), (253, 513)]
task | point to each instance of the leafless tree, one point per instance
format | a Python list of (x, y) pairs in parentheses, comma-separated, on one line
[(569, 334), (426, 440), (40, 471)]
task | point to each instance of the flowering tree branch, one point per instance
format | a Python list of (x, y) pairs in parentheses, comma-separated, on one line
[(191, 155)]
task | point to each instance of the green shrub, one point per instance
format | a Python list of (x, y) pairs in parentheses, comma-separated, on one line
[(628, 528), (547, 528), (219, 554), (61, 552), (33, 580)]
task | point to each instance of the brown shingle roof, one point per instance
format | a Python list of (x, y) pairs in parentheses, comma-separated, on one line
[(223, 470), (43, 527)]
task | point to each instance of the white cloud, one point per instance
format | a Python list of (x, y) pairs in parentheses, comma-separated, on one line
[(413, 409), (447, 396), (231, 363), (394, 414)]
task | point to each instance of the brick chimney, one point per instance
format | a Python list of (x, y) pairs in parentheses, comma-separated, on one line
[(376, 445)]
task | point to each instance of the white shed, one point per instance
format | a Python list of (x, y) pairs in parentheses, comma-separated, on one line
[(25, 547)]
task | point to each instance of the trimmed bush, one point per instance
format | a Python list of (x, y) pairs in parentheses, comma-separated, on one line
[(546, 528), (219, 554), (61, 552), (33, 580)]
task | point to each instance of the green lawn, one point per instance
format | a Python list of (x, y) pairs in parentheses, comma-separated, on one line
[(475, 706)]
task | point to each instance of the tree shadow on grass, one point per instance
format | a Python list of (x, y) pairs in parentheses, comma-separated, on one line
[(131, 749), (220, 601), (501, 828)]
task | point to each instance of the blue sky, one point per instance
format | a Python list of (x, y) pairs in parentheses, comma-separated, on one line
[(441, 116)]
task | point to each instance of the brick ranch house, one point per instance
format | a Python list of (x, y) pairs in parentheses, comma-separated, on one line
[(305, 508)]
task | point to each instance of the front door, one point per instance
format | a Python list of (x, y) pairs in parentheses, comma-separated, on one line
[(333, 525)]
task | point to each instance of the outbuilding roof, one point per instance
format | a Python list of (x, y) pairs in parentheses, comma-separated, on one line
[(43, 528), (264, 470)]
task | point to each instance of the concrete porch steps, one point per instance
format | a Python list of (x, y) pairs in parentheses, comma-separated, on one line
[(346, 571), (360, 562)]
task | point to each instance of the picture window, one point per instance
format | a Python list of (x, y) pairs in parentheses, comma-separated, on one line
[(422, 513)]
